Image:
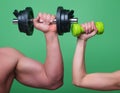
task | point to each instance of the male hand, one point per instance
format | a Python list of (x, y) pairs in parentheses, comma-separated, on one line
[(43, 22)]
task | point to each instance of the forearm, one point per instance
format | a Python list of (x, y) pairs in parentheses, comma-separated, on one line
[(54, 61), (101, 81), (79, 70), (97, 81)]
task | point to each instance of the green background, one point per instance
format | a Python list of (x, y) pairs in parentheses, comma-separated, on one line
[(102, 52)]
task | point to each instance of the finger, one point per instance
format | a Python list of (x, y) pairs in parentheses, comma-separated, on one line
[(40, 17), (93, 33), (86, 28), (92, 23), (40, 14), (52, 18), (48, 17), (89, 27), (94, 26), (43, 17), (36, 20)]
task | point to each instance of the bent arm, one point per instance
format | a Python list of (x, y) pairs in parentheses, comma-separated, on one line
[(97, 81), (48, 75)]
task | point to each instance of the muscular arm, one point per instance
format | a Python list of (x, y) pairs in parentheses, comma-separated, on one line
[(48, 75), (97, 81)]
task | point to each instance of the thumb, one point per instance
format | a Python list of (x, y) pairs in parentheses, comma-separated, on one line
[(93, 33), (35, 20)]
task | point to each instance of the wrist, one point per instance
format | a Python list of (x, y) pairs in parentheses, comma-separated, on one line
[(51, 36), (81, 40)]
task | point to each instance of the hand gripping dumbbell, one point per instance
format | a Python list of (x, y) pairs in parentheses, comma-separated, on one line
[(63, 20), (77, 29)]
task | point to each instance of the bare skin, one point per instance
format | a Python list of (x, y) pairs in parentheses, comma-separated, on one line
[(96, 81), (15, 65)]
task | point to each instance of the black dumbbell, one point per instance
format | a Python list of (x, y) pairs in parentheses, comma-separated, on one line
[(63, 20)]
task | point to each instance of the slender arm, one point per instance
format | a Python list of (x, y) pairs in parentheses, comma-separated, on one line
[(96, 81)]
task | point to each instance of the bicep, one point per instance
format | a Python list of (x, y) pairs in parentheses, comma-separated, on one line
[(101, 81), (31, 72)]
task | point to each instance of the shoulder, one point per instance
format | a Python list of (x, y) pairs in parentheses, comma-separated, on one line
[(7, 50), (10, 51)]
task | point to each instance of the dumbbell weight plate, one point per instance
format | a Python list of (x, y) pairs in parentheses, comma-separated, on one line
[(30, 23), (58, 18), (24, 23), (65, 24), (62, 21), (66, 21)]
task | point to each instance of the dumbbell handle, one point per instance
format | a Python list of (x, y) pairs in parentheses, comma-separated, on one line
[(72, 20), (77, 29)]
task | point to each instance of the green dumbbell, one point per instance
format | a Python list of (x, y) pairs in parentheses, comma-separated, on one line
[(77, 29)]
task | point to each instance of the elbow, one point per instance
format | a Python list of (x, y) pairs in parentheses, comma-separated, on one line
[(56, 82), (76, 83), (53, 85), (49, 84), (79, 82)]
